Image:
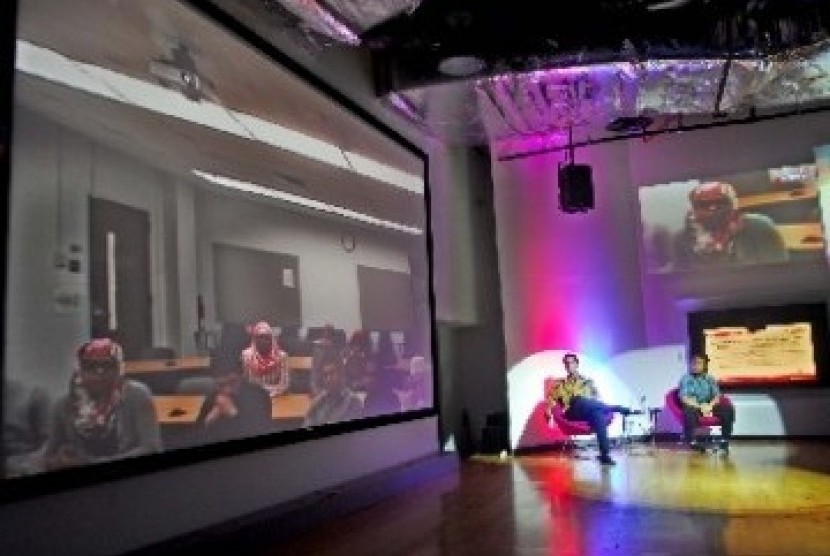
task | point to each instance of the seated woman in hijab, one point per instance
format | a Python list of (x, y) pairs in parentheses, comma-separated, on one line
[(717, 232), (264, 362), (104, 416)]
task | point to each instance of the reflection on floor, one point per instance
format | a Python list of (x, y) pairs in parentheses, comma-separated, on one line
[(766, 498)]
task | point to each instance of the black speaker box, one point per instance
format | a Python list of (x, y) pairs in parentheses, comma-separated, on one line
[(494, 439), (576, 188)]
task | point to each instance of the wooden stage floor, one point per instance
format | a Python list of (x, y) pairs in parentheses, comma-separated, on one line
[(766, 498)]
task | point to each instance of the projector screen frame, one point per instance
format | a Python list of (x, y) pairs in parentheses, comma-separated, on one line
[(67, 479)]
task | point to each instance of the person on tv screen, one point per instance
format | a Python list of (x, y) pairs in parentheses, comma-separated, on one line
[(104, 416), (381, 397), (356, 357), (716, 232), (700, 396), (237, 408), (264, 362), (418, 392), (26, 422), (323, 349), (337, 402), (578, 396)]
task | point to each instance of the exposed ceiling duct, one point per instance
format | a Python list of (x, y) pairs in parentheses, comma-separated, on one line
[(343, 20), (472, 71), (410, 47)]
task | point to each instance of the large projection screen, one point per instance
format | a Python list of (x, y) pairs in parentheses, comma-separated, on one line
[(189, 222)]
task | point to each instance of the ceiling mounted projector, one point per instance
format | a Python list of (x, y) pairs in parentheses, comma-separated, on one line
[(179, 72)]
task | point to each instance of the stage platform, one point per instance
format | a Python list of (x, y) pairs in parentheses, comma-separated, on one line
[(766, 498)]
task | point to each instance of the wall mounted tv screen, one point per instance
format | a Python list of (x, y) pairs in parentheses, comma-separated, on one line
[(763, 346), (202, 246)]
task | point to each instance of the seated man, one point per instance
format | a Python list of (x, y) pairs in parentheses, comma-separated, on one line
[(323, 348), (337, 402), (356, 356), (104, 416), (578, 397), (238, 408), (700, 395)]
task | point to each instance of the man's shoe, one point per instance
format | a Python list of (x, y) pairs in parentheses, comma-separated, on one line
[(606, 460), (697, 447), (724, 447)]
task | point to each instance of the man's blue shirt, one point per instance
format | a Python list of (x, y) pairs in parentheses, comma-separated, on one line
[(702, 387)]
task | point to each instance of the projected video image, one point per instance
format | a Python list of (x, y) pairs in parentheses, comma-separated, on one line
[(764, 217), (202, 246)]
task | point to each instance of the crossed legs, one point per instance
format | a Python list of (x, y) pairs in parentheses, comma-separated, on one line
[(595, 413)]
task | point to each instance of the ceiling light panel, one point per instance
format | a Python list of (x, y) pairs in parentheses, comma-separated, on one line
[(46, 64)]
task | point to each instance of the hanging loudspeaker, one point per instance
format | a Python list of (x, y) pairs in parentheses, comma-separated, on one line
[(576, 188)]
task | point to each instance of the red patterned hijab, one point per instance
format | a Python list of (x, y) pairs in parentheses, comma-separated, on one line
[(714, 220), (94, 408), (256, 362)]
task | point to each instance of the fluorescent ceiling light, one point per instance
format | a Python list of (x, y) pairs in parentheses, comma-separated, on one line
[(57, 68), (248, 187), (322, 19)]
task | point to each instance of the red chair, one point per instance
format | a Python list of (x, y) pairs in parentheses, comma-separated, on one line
[(675, 407), (569, 428), (572, 428)]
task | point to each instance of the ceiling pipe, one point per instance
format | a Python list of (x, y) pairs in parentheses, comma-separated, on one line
[(722, 87), (751, 119), (727, 66)]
